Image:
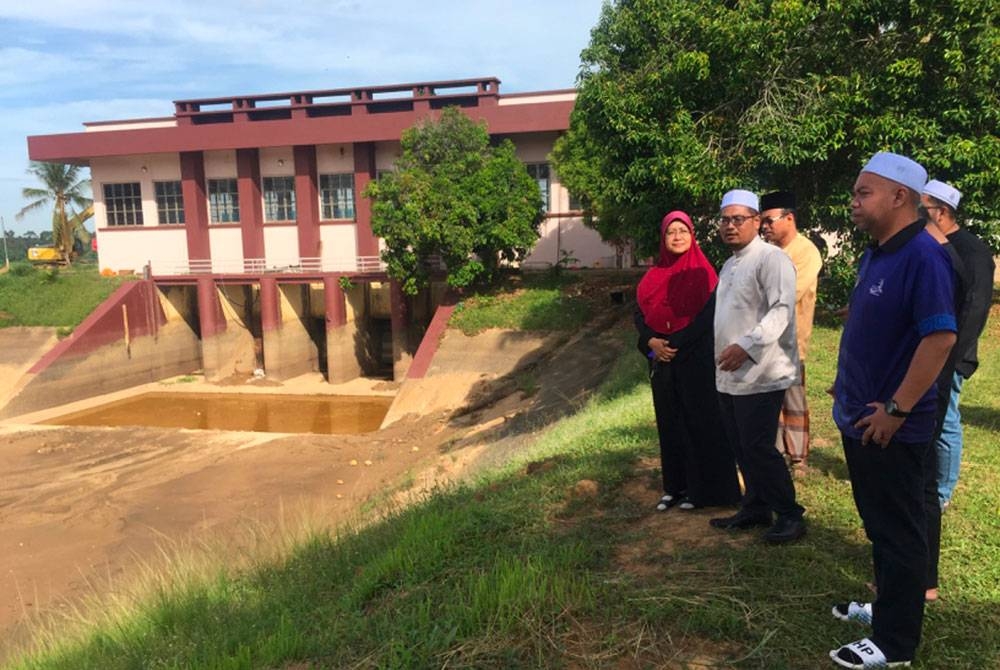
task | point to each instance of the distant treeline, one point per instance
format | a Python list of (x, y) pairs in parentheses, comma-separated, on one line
[(17, 245)]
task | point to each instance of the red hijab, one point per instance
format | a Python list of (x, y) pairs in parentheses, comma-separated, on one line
[(674, 290)]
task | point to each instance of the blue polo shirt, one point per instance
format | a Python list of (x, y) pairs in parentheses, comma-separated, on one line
[(905, 291)]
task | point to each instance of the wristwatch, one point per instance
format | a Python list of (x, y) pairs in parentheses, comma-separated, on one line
[(892, 409)]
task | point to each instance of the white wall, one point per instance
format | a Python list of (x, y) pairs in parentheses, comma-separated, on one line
[(281, 245), (334, 159), (220, 164), (339, 244), (226, 247), (129, 249)]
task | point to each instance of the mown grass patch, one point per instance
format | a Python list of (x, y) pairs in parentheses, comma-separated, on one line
[(56, 297), (518, 571)]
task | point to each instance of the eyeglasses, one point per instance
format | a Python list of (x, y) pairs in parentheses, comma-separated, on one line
[(737, 220), (768, 220), (682, 232)]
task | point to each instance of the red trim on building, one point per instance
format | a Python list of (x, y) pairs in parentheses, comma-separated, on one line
[(251, 207), (307, 201), (195, 205), (149, 119), (364, 172), (431, 341), (369, 127)]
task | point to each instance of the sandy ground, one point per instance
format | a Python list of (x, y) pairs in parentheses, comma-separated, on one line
[(82, 509)]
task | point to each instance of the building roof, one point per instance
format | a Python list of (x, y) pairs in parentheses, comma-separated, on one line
[(358, 114)]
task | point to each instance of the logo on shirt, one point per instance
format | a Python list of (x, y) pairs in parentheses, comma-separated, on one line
[(876, 289)]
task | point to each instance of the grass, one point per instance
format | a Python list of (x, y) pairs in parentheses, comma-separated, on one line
[(55, 297), (516, 571), (541, 302)]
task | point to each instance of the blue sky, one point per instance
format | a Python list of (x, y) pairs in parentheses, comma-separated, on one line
[(63, 62)]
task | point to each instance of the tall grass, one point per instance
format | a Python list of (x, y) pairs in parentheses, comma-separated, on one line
[(52, 296), (520, 569)]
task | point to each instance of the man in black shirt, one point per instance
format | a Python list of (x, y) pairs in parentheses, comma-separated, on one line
[(941, 200)]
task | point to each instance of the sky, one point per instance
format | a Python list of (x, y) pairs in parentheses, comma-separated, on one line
[(64, 62)]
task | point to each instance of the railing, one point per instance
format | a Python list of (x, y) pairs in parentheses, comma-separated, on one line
[(361, 264), (366, 99)]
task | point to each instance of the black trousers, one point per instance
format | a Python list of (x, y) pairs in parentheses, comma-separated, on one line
[(751, 424), (888, 486)]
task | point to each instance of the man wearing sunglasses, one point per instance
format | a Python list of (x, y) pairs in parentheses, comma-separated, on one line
[(756, 360), (778, 225)]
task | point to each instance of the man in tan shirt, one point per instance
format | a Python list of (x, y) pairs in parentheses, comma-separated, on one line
[(778, 225)]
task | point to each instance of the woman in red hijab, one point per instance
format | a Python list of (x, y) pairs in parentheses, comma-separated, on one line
[(676, 307)]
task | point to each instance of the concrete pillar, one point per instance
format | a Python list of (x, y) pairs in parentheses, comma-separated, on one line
[(227, 346), (342, 362), (401, 355), (289, 349)]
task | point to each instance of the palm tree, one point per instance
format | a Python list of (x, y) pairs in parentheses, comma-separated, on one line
[(67, 192)]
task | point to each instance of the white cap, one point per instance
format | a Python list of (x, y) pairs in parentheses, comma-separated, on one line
[(740, 197), (899, 169), (944, 192)]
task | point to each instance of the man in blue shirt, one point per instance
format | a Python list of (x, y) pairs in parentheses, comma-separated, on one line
[(898, 334)]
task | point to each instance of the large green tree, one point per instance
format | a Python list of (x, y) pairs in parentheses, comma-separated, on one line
[(455, 197), (680, 100), (68, 195)]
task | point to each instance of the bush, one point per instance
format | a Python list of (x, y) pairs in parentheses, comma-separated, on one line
[(840, 273), (21, 268)]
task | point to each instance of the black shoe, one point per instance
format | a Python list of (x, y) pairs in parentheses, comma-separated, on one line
[(785, 530), (741, 521)]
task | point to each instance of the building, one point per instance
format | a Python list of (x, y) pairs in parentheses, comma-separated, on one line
[(248, 184), (244, 216)]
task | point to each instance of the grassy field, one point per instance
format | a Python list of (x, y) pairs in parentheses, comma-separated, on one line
[(530, 568), (60, 297)]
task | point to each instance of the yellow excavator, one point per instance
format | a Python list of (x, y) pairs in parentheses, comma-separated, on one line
[(51, 254)]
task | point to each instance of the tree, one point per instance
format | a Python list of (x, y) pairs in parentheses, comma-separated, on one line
[(455, 197), (67, 192), (680, 100)]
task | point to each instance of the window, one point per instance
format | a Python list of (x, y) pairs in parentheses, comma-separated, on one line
[(223, 201), (123, 203), (169, 201), (279, 198), (540, 173), (336, 192)]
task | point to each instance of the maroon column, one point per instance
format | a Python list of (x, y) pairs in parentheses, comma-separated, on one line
[(210, 315), (251, 209), (336, 302), (364, 172), (195, 205), (307, 200), (270, 305)]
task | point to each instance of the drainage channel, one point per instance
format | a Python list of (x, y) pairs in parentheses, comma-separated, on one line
[(266, 413)]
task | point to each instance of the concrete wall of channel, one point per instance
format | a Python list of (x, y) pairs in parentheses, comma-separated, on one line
[(138, 335)]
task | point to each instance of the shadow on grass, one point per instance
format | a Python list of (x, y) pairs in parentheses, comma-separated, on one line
[(830, 462), (987, 418)]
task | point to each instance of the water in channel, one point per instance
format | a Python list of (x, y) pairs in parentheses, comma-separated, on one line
[(257, 412)]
